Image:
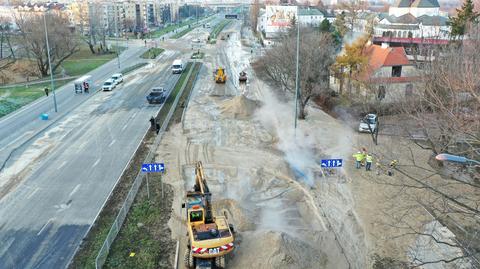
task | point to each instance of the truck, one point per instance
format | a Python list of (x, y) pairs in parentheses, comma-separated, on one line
[(177, 66), (210, 236), (219, 75)]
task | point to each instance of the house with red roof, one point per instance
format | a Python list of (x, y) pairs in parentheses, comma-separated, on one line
[(389, 75)]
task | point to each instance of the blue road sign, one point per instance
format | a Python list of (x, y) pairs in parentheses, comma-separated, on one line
[(153, 167), (332, 163)]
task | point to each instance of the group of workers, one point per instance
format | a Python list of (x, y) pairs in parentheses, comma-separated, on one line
[(362, 158)]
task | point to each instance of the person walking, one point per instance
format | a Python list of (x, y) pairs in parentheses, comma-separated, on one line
[(393, 165), (46, 91), (358, 159), (368, 162), (86, 87)]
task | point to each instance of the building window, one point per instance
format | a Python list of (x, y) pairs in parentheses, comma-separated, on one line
[(410, 34), (397, 71), (408, 90), (381, 92)]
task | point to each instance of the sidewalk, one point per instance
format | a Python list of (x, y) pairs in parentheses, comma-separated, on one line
[(34, 82)]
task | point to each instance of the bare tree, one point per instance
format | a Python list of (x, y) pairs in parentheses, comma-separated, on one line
[(85, 15), (254, 13), (5, 32), (61, 37), (353, 8), (316, 56)]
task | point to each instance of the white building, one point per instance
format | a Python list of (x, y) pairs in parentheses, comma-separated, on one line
[(310, 17), (413, 21), (415, 7)]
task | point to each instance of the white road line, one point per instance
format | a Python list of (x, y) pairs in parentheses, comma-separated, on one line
[(44, 226), (74, 190), (62, 165), (111, 143), (18, 138), (32, 193), (124, 127), (95, 164)]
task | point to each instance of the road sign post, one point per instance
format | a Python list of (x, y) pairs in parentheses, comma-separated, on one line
[(148, 189), (153, 168)]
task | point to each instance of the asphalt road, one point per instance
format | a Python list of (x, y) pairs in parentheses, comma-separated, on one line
[(21, 126), (44, 218)]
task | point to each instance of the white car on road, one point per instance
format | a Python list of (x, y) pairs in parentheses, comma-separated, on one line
[(369, 119), (108, 85), (117, 78)]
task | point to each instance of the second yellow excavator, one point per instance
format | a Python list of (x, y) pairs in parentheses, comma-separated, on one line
[(220, 76)]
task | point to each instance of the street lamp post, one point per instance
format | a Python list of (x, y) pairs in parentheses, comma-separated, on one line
[(456, 159), (297, 84), (49, 62)]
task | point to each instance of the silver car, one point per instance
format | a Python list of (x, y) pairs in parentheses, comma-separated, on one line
[(369, 119)]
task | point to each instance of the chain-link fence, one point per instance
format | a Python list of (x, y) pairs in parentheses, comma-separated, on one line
[(122, 214)]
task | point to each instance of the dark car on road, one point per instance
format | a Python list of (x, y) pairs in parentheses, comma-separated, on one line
[(157, 95)]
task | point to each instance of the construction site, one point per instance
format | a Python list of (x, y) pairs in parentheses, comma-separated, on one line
[(285, 211)]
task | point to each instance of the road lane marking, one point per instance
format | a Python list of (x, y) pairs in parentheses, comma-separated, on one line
[(111, 143), (44, 226), (32, 193), (63, 164), (18, 138), (124, 127), (96, 162), (74, 190)]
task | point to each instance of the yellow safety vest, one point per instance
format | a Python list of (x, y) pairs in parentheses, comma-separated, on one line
[(369, 159)]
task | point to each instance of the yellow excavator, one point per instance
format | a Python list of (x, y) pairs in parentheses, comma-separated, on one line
[(210, 237), (220, 76)]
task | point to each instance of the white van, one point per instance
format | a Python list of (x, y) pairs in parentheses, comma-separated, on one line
[(83, 84), (177, 66), (118, 78)]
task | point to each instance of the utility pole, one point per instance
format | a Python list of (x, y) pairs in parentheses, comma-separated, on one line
[(49, 61), (297, 83), (115, 13)]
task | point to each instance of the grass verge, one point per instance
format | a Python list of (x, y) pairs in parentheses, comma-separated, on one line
[(197, 55), (85, 257), (13, 98), (183, 101), (144, 240), (152, 53), (84, 61), (184, 32), (217, 29), (132, 68)]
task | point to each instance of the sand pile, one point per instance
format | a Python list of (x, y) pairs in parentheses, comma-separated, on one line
[(277, 250), (240, 217), (240, 107)]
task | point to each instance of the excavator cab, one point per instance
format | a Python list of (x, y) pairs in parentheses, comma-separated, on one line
[(220, 76)]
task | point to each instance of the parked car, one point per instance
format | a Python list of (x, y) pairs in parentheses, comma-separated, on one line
[(118, 78), (157, 95), (365, 121), (108, 85)]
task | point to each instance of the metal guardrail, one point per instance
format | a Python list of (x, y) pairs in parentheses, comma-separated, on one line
[(122, 214)]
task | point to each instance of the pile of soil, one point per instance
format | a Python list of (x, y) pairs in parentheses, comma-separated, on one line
[(278, 250), (240, 107)]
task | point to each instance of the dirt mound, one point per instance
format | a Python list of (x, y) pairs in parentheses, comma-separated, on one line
[(240, 217), (269, 249), (240, 107)]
